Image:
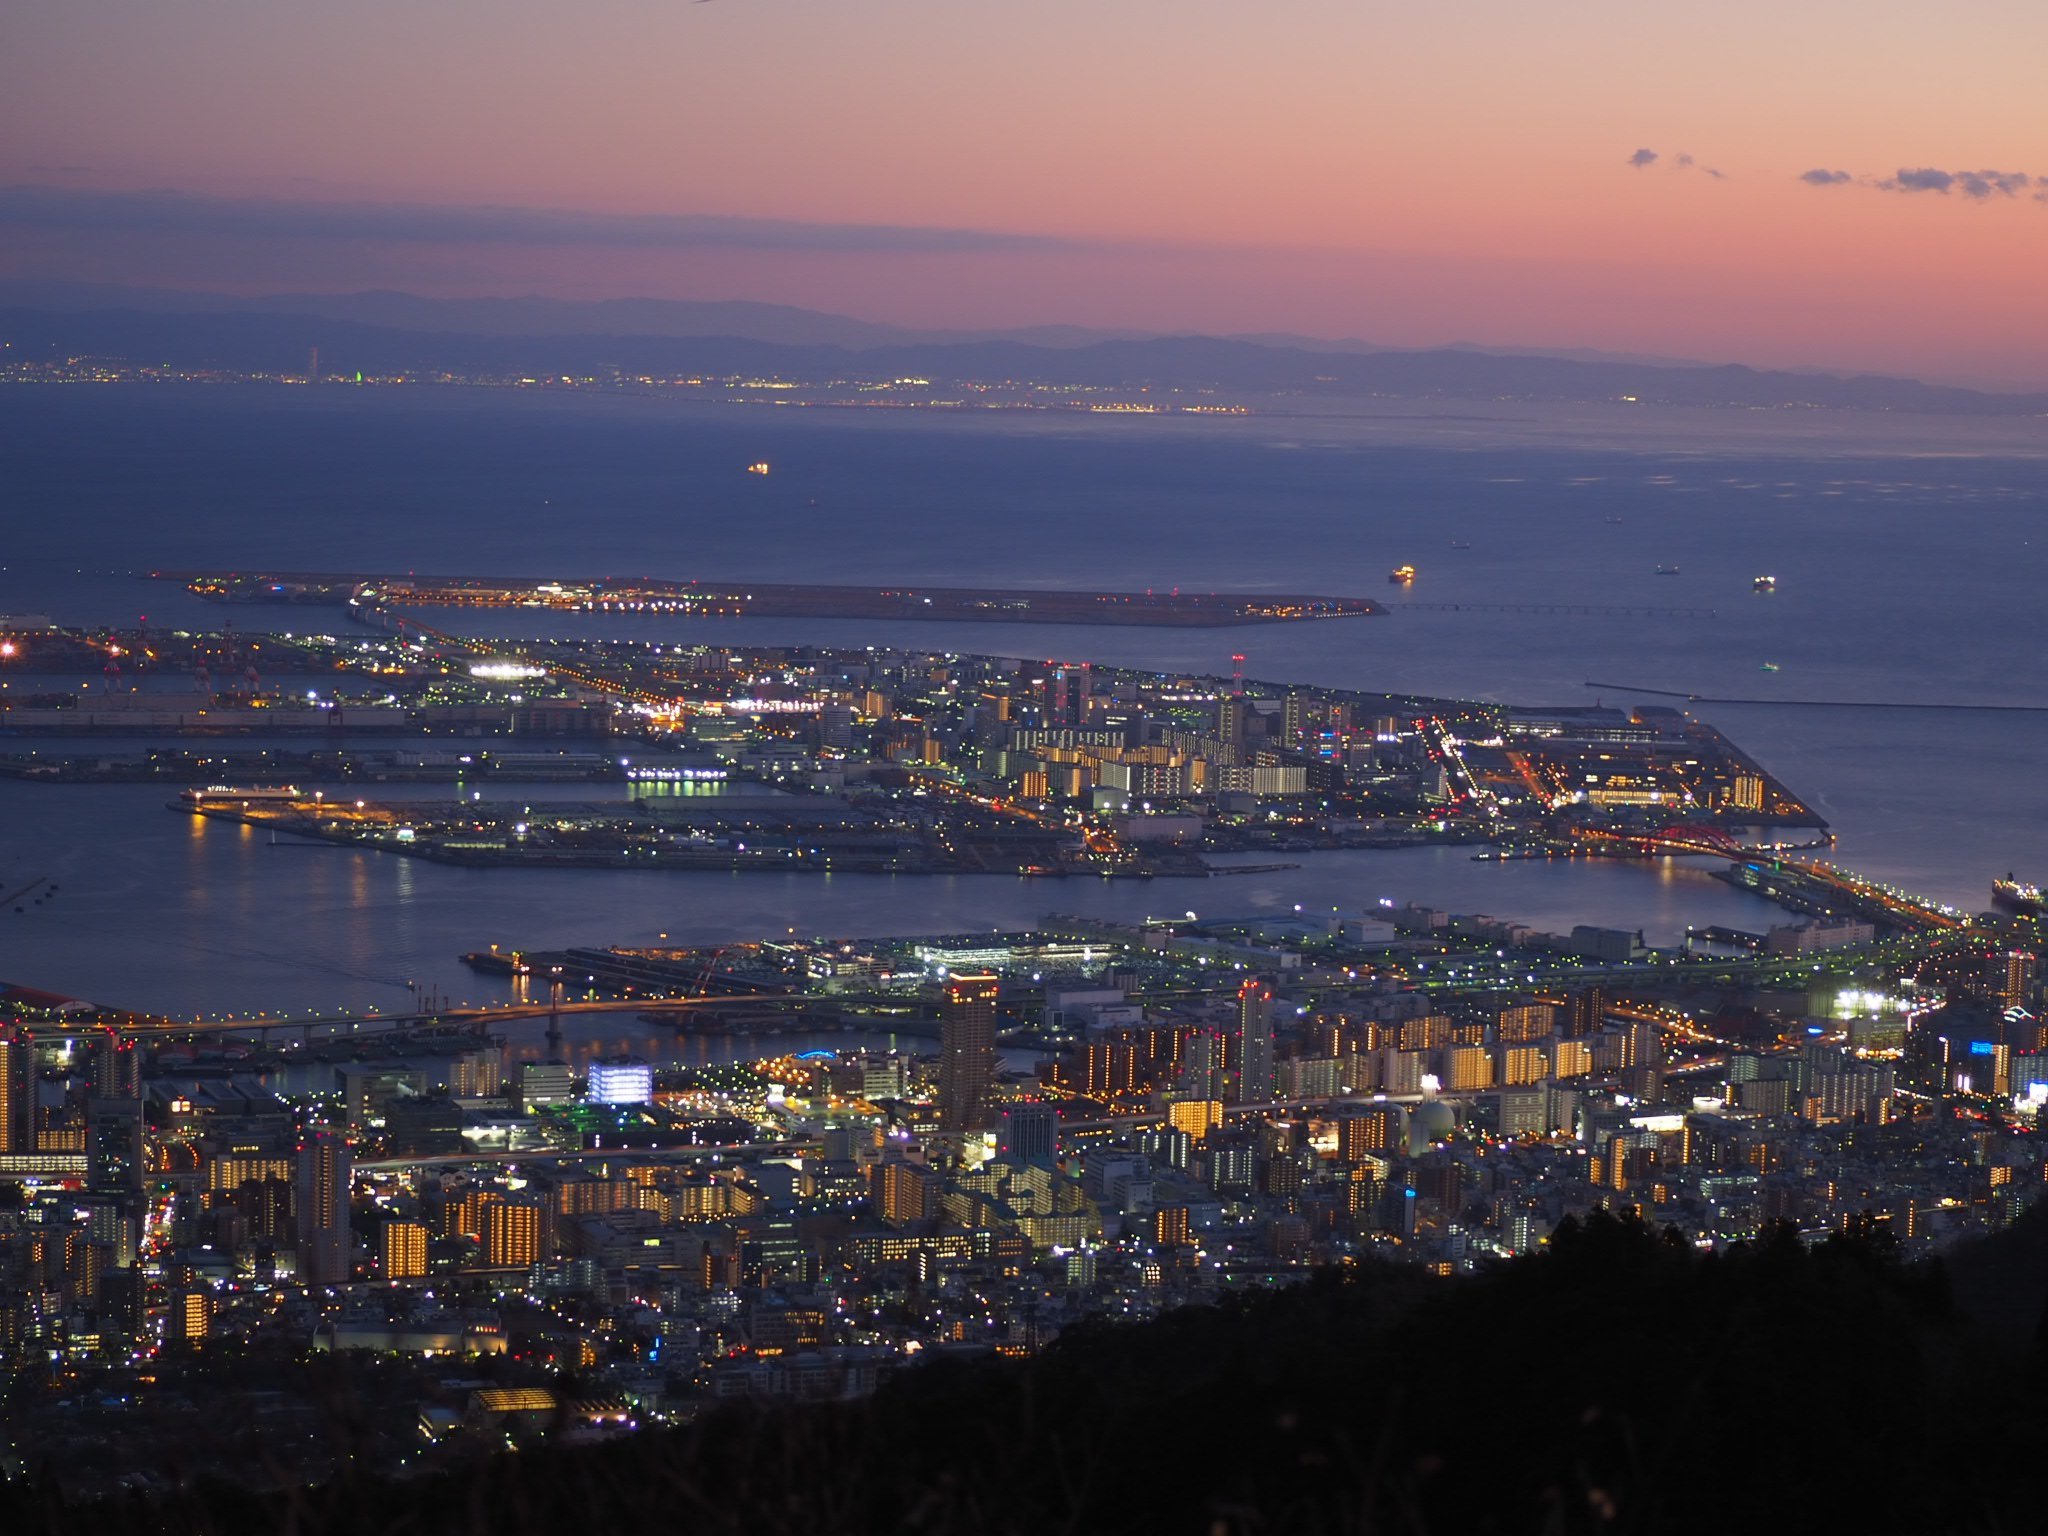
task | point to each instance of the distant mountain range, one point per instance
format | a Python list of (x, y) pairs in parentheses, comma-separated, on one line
[(388, 332)]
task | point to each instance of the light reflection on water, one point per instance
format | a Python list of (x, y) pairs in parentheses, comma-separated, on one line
[(1902, 579), (168, 912)]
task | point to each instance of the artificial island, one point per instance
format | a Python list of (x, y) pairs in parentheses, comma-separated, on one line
[(910, 1149)]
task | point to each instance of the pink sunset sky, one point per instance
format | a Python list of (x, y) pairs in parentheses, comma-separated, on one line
[(1853, 184)]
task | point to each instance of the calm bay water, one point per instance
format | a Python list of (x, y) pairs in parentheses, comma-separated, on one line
[(171, 911), (1908, 575)]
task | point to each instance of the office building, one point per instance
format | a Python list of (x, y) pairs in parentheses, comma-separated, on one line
[(1030, 1132), (621, 1082), (545, 1082)]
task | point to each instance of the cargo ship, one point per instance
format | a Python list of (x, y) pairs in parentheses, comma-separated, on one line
[(1402, 575), (2017, 896), (1765, 583)]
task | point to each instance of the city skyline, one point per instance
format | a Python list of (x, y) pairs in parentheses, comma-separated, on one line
[(1727, 184), (1000, 769)]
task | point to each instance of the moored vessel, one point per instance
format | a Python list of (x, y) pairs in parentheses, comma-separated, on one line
[(2017, 896), (228, 794)]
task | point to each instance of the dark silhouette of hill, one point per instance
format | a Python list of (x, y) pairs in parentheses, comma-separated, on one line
[(1619, 1382), (2002, 1281), (281, 343)]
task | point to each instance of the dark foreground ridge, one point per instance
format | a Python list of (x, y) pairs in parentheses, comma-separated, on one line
[(1618, 1382)]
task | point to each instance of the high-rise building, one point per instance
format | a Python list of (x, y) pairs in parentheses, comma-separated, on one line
[(906, 1192), (1231, 713), (403, 1250), (1467, 1067), (967, 1050), (1201, 1065), (463, 1215), (1194, 1118), (116, 1067), (1109, 1068), (512, 1232), (1168, 1146), (17, 1091), (192, 1318), (1588, 1013), (1520, 1064), (1233, 1165), (2011, 977), (369, 1089), (1378, 1129), (1572, 1058), (835, 726), (113, 1145), (1170, 1228), (113, 1174), (1252, 1044), (479, 1074), (320, 1200), (265, 1206), (1521, 1023)]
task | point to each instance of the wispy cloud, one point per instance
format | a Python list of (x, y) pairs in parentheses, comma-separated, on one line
[(1977, 185), (1972, 186), (184, 213), (1643, 159)]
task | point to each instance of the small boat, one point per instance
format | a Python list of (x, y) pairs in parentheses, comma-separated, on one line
[(1461, 544), (1765, 584), (1402, 575), (1769, 666), (1667, 570), (760, 468)]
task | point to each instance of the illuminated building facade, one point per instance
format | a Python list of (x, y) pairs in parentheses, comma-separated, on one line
[(967, 1050), (402, 1250), (1252, 1045), (320, 1200)]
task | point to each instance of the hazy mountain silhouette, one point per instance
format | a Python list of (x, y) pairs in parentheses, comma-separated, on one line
[(389, 332)]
